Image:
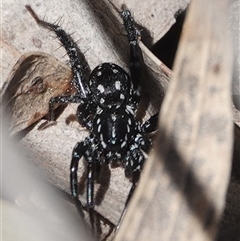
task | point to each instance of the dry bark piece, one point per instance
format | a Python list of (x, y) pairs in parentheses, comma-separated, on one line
[(34, 79), (183, 186)]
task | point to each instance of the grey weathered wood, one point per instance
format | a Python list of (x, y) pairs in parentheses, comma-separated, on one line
[(183, 186)]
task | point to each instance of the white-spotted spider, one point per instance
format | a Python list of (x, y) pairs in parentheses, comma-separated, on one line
[(108, 105)]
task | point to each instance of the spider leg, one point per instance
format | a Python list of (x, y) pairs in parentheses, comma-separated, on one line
[(78, 151), (62, 99), (133, 35), (133, 165), (151, 124), (135, 158), (90, 184), (73, 52), (85, 114), (93, 168), (90, 192), (82, 149)]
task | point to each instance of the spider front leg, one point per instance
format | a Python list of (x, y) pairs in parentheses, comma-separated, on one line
[(76, 62), (133, 35), (73, 52)]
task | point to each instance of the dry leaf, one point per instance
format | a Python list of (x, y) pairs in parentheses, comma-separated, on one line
[(34, 79)]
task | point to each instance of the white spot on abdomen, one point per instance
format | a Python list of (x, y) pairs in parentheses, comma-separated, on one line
[(117, 85), (100, 88)]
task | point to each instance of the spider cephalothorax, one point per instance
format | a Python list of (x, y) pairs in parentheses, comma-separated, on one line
[(108, 105)]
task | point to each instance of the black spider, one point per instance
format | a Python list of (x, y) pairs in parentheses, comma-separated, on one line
[(108, 104)]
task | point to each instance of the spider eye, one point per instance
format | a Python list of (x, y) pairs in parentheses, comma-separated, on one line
[(110, 85)]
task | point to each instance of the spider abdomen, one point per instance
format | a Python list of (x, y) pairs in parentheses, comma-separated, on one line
[(114, 129)]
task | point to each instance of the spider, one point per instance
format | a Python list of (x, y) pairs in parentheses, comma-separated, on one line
[(108, 103)]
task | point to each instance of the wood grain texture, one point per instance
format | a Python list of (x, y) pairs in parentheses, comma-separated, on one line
[(183, 186)]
